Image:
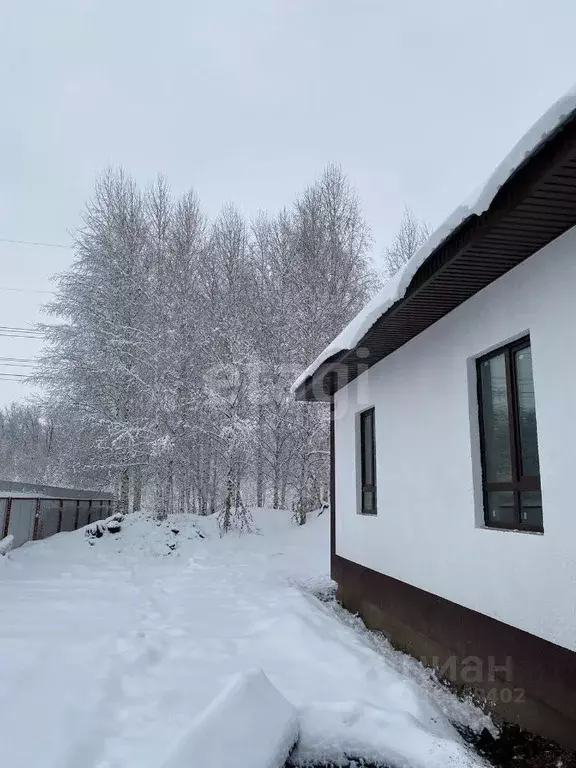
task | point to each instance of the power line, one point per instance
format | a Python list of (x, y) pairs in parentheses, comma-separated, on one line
[(24, 290), (19, 359), (34, 242), (11, 335), (21, 333), (17, 328), (19, 336)]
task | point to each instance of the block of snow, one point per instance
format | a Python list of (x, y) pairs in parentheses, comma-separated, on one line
[(6, 544), (248, 725)]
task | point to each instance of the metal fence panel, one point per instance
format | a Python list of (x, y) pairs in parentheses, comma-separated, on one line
[(95, 510), (3, 503), (21, 525), (49, 517), (68, 515), (83, 513)]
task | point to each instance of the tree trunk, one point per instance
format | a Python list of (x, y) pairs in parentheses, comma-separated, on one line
[(136, 488), (276, 486), (260, 493), (124, 492), (225, 520), (260, 488)]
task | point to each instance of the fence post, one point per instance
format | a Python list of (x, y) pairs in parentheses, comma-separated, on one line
[(36, 527), (7, 516), (77, 514), (60, 516)]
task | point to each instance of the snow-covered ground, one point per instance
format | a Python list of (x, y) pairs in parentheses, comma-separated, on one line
[(109, 650)]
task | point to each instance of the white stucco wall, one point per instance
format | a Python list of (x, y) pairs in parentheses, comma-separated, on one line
[(428, 531)]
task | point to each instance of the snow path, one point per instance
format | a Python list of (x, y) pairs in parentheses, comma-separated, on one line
[(107, 652)]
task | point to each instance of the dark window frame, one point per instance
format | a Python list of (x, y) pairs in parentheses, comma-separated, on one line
[(365, 488), (519, 482)]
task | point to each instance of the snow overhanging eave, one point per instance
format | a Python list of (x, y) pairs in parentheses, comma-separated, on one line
[(482, 239)]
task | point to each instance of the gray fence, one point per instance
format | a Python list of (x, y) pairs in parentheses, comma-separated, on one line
[(16, 488), (29, 518)]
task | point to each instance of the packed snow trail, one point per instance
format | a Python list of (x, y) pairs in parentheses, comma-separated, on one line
[(109, 651)]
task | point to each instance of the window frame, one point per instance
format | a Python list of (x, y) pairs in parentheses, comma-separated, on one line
[(365, 487), (519, 482)]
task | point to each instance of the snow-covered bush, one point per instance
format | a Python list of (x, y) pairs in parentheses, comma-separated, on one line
[(112, 524)]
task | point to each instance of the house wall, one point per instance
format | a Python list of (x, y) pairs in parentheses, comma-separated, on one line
[(429, 529)]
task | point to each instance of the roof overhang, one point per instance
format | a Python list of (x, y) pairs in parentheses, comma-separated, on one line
[(533, 207)]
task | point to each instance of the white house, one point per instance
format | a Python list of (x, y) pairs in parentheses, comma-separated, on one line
[(453, 441)]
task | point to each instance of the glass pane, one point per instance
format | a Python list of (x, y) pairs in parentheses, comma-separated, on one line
[(367, 438), (531, 508), (368, 501), (526, 412), (494, 408), (501, 508)]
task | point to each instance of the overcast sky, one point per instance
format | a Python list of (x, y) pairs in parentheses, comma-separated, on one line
[(247, 100)]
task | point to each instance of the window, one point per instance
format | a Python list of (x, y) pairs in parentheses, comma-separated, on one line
[(367, 463), (508, 439)]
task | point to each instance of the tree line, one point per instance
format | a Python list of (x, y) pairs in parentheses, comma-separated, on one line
[(174, 340)]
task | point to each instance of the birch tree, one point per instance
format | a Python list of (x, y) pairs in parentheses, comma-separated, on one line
[(333, 279), (412, 233), (175, 341), (93, 360)]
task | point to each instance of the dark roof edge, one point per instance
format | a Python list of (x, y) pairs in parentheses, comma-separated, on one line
[(549, 152)]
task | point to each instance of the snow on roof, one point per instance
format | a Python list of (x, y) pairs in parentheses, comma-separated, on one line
[(479, 202), (23, 495)]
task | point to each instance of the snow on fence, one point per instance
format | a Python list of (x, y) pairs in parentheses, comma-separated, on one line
[(6, 544), (28, 518)]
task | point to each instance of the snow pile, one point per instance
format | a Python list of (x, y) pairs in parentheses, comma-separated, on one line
[(396, 288), (145, 536), (119, 650), (249, 725)]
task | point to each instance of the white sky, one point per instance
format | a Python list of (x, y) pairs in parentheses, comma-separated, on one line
[(247, 100)]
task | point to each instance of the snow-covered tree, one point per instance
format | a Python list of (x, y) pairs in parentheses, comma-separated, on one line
[(411, 234), (94, 364), (175, 341)]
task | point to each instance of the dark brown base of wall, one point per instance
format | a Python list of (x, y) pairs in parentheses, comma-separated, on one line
[(528, 680)]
